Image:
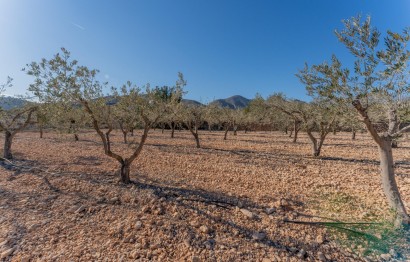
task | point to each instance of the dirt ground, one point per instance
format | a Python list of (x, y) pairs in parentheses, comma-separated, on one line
[(231, 200)]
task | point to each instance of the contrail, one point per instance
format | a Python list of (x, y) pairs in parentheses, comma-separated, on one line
[(78, 26)]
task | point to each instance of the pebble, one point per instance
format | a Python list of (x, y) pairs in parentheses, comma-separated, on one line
[(80, 209), (115, 200), (270, 211), (385, 257), (7, 253), (320, 239), (134, 254), (321, 256), (247, 213), (4, 243), (258, 236), (205, 229), (138, 225), (195, 259), (301, 254)]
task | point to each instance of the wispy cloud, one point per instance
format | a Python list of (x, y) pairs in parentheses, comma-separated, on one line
[(78, 26)]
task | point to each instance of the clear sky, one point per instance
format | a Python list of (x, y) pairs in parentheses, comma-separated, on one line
[(223, 47)]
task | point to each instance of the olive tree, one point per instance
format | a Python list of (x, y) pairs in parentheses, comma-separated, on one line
[(292, 108), (379, 74), (172, 96), (62, 79), (193, 117), (319, 116), (13, 121)]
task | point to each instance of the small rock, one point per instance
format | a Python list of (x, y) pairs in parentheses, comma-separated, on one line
[(194, 223), (259, 236), (80, 210), (138, 225), (159, 211), (205, 229), (146, 209), (4, 243), (33, 227), (195, 259), (321, 257), (134, 254), (7, 253), (270, 210), (301, 254), (385, 257), (247, 213), (209, 244), (115, 200), (320, 239), (266, 260)]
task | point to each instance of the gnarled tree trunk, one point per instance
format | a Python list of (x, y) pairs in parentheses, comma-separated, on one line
[(172, 129), (8, 140), (41, 131), (388, 178), (197, 140), (124, 134), (226, 132), (125, 172), (296, 129), (389, 181)]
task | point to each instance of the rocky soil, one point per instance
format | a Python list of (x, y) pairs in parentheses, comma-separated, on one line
[(231, 200)]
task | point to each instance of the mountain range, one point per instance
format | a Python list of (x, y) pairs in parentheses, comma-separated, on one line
[(233, 102)]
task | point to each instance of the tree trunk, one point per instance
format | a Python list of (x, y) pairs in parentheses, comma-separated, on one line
[(319, 147), (172, 130), (353, 134), (389, 181), (197, 140), (125, 136), (76, 137), (125, 173), (295, 137), (296, 129), (132, 131), (8, 140), (291, 133), (286, 130), (235, 133), (226, 133), (315, 148)]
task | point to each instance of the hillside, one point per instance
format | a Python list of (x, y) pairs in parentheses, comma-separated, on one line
[(9, 102), (236, 101)]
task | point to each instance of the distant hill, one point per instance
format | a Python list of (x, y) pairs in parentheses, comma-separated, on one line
[(9, 102), (190, 102), (237, 101), (233, 102)]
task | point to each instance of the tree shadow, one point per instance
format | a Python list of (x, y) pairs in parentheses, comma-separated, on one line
[(351, 160)]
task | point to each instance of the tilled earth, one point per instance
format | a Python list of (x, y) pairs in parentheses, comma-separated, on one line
[(231, 200)]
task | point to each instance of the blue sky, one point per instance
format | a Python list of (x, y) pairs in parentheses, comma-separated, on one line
[(223, 48)]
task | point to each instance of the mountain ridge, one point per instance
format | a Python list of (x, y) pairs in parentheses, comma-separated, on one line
[(233, 102)]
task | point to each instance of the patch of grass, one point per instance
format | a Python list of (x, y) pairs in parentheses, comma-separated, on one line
[(373, 239), (367, 240)]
